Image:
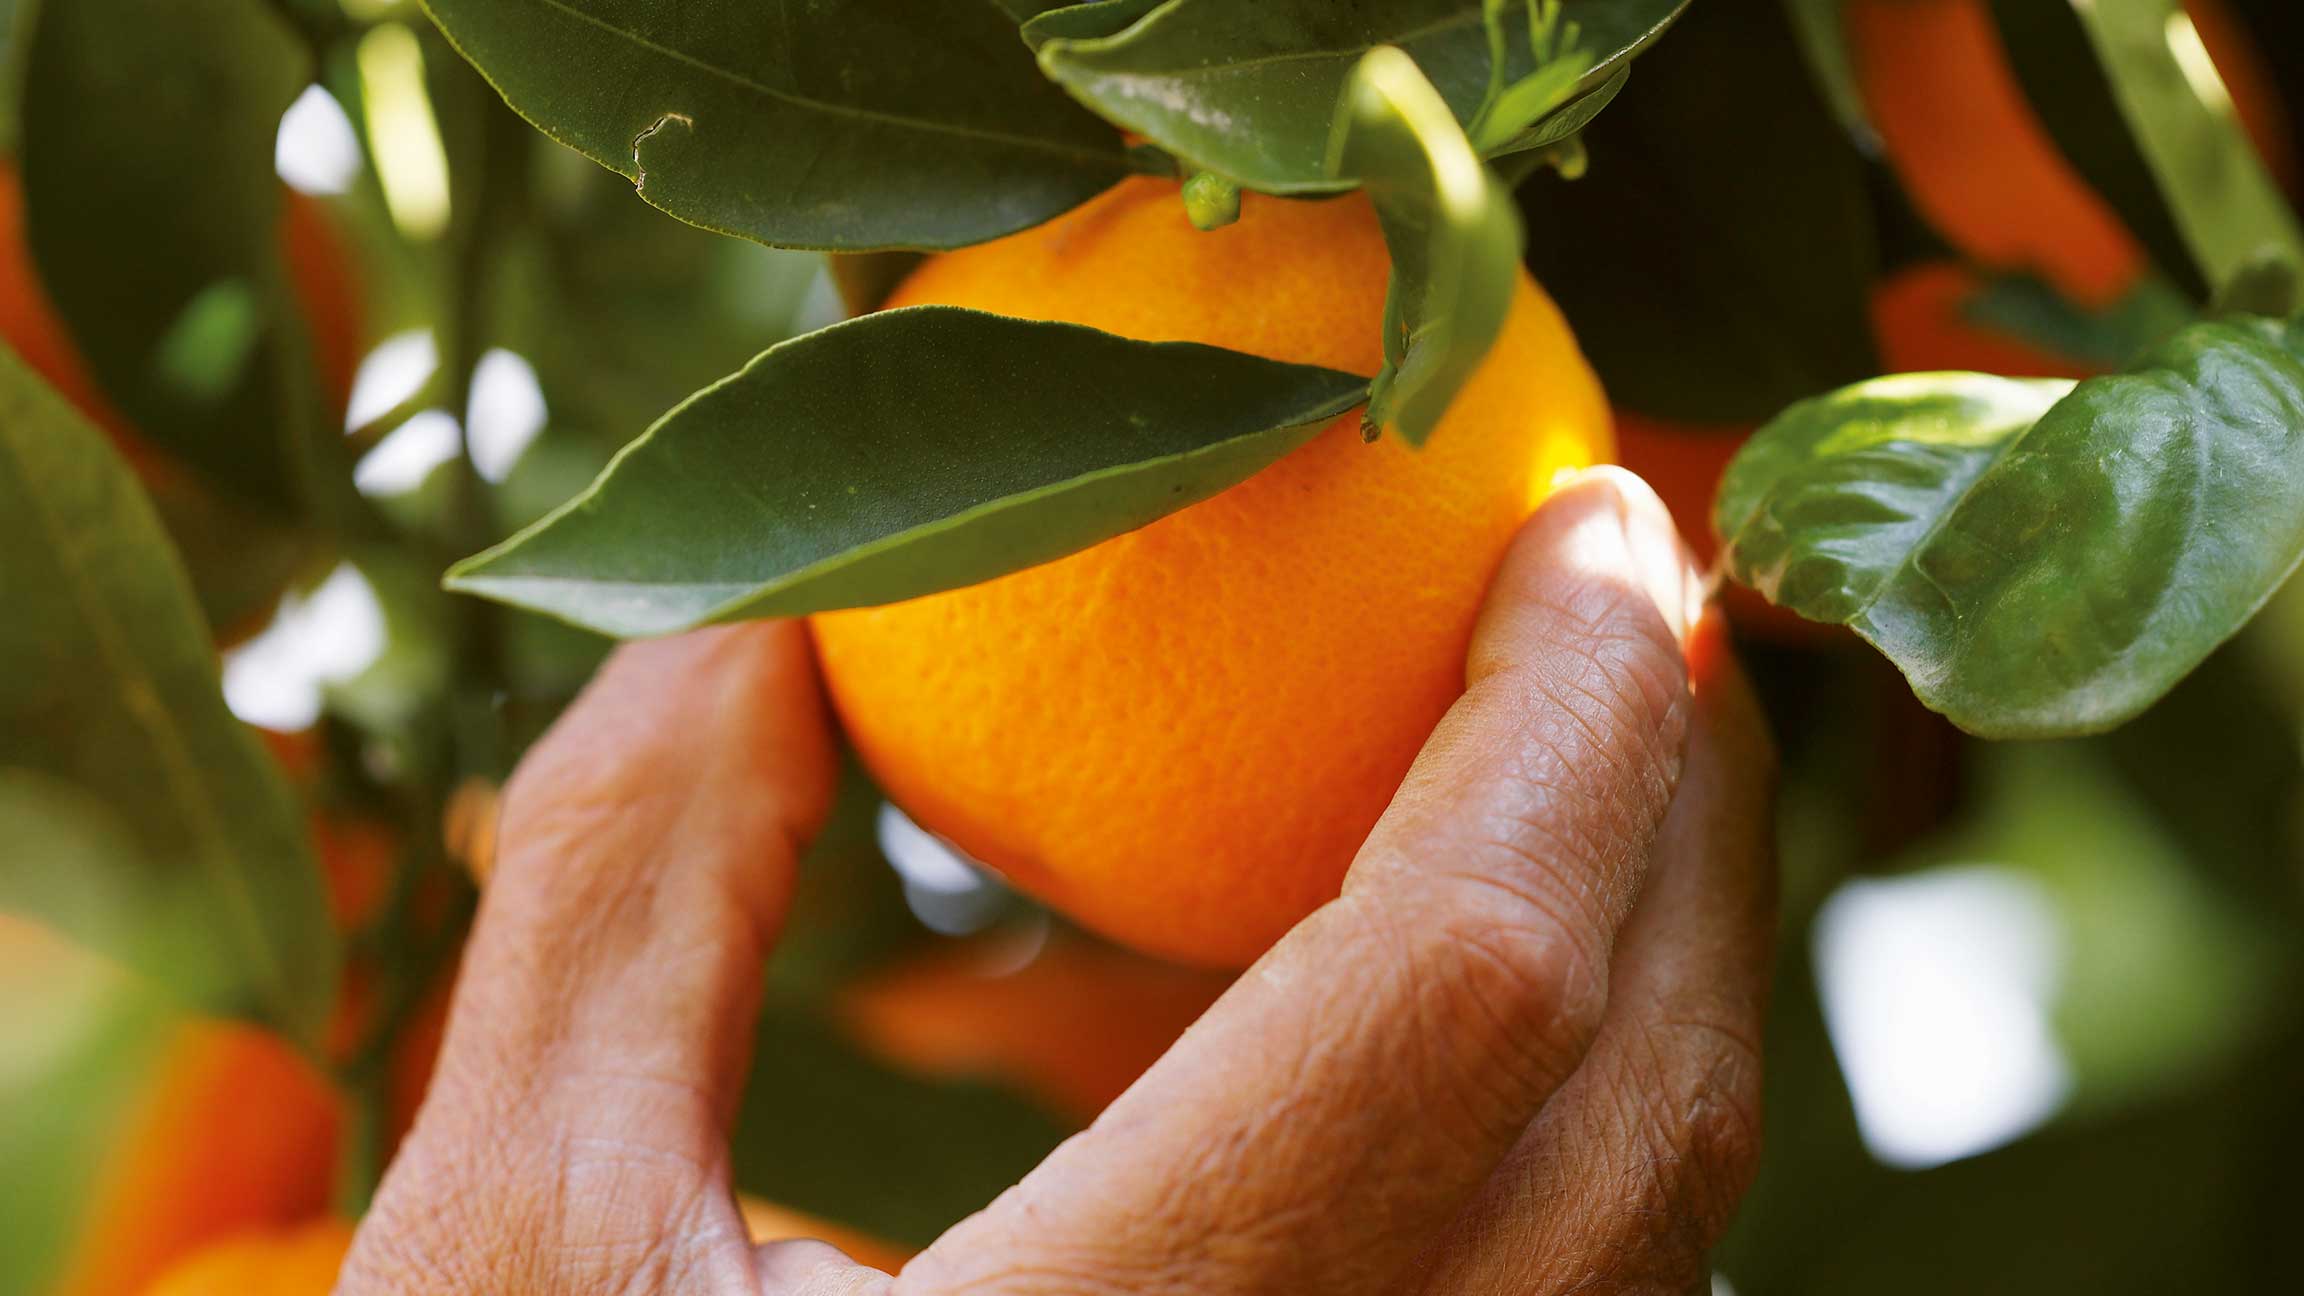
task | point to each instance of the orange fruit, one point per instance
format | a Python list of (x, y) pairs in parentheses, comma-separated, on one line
[(235, 1132), (1980, 165), (1919, 319), (231, 1129), (1073, 1028), (1181, 735), (301, 1261)]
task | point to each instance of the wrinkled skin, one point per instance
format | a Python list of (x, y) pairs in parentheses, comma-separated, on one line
[(1517, 1055)]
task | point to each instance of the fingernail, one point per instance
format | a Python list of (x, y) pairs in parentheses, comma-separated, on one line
[(1660, 562)]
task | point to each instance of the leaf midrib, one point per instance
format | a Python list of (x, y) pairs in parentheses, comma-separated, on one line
[(1943, 519)]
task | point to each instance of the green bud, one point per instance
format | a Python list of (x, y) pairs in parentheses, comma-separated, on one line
[(1211, 201)]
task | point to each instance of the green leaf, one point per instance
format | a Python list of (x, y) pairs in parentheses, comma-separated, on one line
[(896, 455), (111, 689), (2038, 559), (841, 125), (1450, 227), (1567, 120), (2225, 204), (153, 216), (1248, 90)]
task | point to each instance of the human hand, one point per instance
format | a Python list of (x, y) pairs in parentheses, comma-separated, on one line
[(1517, 1055)]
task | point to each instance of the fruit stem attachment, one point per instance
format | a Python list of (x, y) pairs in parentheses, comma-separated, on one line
[(1211, 201)]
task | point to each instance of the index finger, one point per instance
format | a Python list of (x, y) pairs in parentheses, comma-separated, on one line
[(1339, 1105), (575, 1134)]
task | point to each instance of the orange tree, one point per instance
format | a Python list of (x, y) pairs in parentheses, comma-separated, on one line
[(1136, 395)]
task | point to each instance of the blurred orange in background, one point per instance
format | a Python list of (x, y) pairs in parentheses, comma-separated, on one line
[(300, 1261), (1072, 1027), (1983, 169), (1920, 320), (233, 1131)]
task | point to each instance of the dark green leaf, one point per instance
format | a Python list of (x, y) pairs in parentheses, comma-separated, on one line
[(2038, 560), (1454, 239), (153, 215), (1248, 90), (896, 455), (111, 689), (839, 125), (1718, 264)]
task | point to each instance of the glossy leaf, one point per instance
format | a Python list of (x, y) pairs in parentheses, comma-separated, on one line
[(1454, 239), (2038, 559), (108, 687), (840, 125), (153, 213), (1247, 90), (899, 454)]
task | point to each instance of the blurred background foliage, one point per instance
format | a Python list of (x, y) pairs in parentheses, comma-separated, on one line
[(2036, 1023)]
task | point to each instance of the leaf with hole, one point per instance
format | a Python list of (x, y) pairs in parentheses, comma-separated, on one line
[(896, 455), (842, 125)]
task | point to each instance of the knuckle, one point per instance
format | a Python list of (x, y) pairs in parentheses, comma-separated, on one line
[(1519, 965), (1700, 1127)]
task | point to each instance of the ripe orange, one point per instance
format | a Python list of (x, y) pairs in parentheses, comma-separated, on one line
[(235, 1132), (300, 1261), (1979, 164), (1181, 735), (1073, 1028)]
